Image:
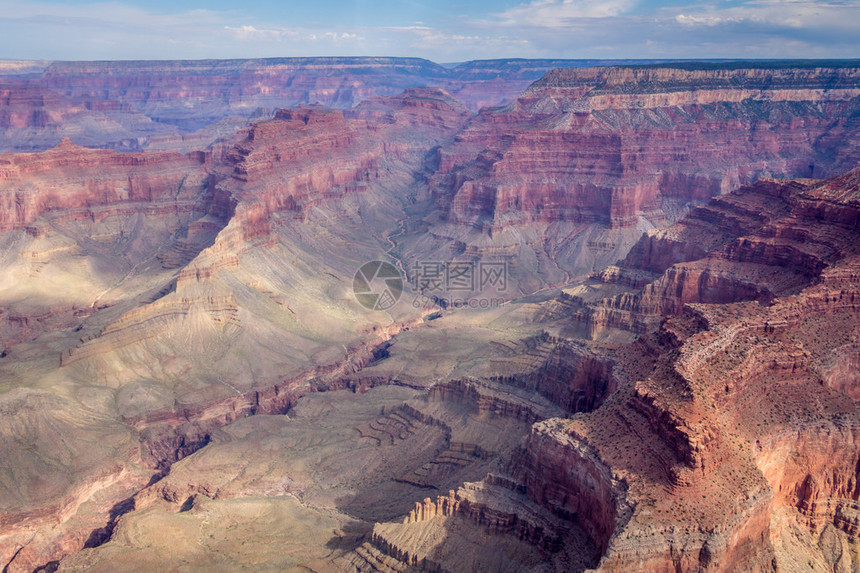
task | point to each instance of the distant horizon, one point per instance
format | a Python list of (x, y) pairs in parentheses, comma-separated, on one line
[(440, 31), (446, 64)]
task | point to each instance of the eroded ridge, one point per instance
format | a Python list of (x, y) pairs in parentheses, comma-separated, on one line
[(191, 369)]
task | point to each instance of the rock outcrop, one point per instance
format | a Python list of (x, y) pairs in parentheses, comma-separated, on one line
[(89, 218), (190, 105), (552, 181), (729, 438), (62, 180), (765, 241), (732, 400), (184, 361)]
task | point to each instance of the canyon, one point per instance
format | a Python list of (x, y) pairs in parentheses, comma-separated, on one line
[(663, 378), (185, 105)]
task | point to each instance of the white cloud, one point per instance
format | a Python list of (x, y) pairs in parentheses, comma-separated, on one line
[(444, 45), (561, 13), (334, 38), (752, 28), (248, 33), (706, 20), (792, 14)]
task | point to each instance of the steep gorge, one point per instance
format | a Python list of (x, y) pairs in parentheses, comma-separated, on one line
[(565, 179), (211, 370)]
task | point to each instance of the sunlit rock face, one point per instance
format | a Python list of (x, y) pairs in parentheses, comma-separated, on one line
[(187, 375), (570, 174), (735, 387)]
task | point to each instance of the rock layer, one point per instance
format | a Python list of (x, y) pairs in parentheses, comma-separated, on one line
[(621, 148), (189, 105), (183, 352)]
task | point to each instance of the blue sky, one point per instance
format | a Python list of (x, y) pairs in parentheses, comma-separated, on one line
[(440, 30)]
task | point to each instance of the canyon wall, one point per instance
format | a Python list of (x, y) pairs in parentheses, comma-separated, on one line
[(764, 241), (585, 160), (62, 180), (179, 330), (735, 400), (189, 105), (729, 438)]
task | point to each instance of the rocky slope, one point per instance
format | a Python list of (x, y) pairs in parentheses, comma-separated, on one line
[(758, 243), (727, 440), (722, 395), (568, 176), (188, 105), (93, 218), (722, 439), (185, 366), (162, 300)]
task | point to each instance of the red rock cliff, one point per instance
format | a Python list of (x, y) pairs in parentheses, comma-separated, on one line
[(609, 145)]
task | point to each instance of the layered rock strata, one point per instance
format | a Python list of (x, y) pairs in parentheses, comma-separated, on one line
[(554, 181), (188, 105), (691, 408)]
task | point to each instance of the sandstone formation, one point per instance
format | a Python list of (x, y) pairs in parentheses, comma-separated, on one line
[(722, 439), (188, 380), (139, 286), (711, 453), (189, 105), (34, 118), (758, 243), (567, 177), (73, 215)]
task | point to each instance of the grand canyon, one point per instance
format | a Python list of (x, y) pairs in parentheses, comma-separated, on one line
[(653, 363)]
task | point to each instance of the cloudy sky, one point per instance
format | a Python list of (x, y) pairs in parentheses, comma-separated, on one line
[(440, 30)]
